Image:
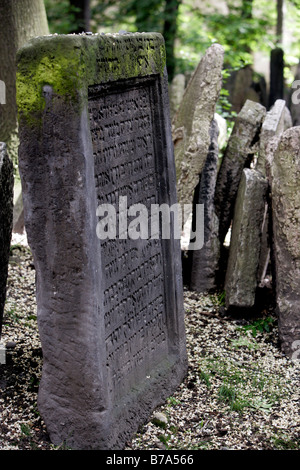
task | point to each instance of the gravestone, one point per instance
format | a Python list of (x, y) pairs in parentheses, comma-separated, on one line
[(95, 143), (273, 125), (192, 122), (205, 262), (240, 148), (6, 219), (285, 174), (245, 243)]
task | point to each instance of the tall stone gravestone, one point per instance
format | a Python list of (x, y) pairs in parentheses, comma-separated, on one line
[(205, 262), (6, 219), (245, 243), (285, 174), (273, 125), (192, 122), (96, 139), (240, 146)]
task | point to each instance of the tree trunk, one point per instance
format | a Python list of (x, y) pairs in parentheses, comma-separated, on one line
[(82, 15), (279, 23), (169, 33), (20, 20)]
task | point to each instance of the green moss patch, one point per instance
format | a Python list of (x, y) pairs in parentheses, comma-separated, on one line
[(71, 63)]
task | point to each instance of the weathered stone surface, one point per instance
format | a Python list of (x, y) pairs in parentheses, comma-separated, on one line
[(274, 124), (110, 311), (244, 253), (18, 213), (285, 174), (236, 156), (192, 122), (6, 217), (205, 262), (176, 88), (288, 120)]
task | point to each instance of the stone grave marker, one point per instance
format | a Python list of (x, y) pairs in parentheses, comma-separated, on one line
[(96, 151), (192, 121), (285, 174), (272, 126), (239, 147), (205, 262), (6, 220), (245, 243)]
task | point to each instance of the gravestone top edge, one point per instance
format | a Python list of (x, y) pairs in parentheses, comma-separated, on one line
[(69, 64)]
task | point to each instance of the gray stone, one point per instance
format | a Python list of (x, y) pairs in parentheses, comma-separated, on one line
[(288, 121), (274, 124), (285, 175), (18, 213), (6, 218), (110, 310), (192, 122), (240, 146), (205, 262), (244, 253), (176, 91)]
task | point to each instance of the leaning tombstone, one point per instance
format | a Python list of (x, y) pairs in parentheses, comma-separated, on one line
[(239, 150), (204, 263), (273, 125), (95, 151), (192, 122), (6, 220), (285, 174), (245, 243)]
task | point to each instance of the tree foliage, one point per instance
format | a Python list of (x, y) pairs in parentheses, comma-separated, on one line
[(241, 27)]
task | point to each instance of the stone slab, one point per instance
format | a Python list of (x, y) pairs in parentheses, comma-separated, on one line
[(205, 262), (110, 311), (240, 145), (285, 174), (245, 243), (273, 124), (191, 124)]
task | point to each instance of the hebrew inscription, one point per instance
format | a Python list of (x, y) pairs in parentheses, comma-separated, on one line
[(134, 305)]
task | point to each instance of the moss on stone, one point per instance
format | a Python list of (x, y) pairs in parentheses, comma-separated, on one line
[(71, 63)]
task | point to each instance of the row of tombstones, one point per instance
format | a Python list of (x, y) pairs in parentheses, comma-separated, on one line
[(251, 198), (111, 311)]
